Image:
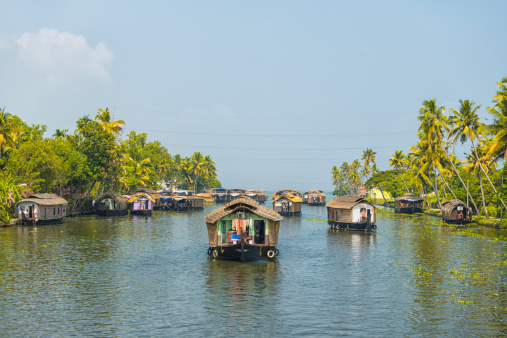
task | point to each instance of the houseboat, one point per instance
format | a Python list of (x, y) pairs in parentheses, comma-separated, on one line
[(243, 230), (235, 193), (259, 195), (281, 192), (351, 213), (111, 204), (141, 204), (221, 195), (314, 198), (208, 198), (182, 202), (457, 212), (41, 209), (287, 204), (154, 195), (408, 204)]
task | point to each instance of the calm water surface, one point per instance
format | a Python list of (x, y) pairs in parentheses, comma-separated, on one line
[(150, 276)]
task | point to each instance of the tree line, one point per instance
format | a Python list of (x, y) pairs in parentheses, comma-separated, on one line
[(432, 169), (93, 159)]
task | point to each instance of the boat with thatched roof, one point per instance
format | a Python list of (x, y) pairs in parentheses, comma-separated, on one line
[(41, 209), (457, 212), (287, 204), (235, 193), (111, 204), (154, 195), (408, 204), (244, 230), (314, 198), (281, 192), (257, 195), (141, 204), (351, 213), (221, 195)]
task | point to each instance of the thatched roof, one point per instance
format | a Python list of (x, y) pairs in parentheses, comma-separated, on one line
[(45, 199), (139, 195), (154, 194), (315, 192), (242, 204), (450, 205), (120, 199), (408, 197), (290, 197), (281, 192), (258, 192), (346, 202)]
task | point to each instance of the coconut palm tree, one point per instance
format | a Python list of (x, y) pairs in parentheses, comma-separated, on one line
[(498, 129), (368, 157), (7, 137), (111, 127), (197, 167), (467, 127), (398, 161), (474, 166)]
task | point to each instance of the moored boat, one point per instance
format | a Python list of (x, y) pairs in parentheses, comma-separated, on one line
[(287, 204), (351, 213), (111, 204), (141, 204), (41, 209), (243, 230), (314, 198), (456, 212), (408, 204)]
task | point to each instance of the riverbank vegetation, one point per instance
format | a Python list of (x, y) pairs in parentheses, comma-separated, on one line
[(432, 168), (93, 159)]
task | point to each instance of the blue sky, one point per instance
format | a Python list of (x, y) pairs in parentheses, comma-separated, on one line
[(275, 91)]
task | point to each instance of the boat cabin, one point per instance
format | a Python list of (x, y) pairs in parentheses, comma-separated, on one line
[(221, 195), (281, 192), (351, 213), (408, 204), (455, 211), (111, 204), (154, 195), (314, 198), (287, 204), (259, 196), (141, 204), (235, 193), (41, 209), (243, 229)]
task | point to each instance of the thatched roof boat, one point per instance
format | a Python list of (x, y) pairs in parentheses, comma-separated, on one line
[(243, 229), (41, 209), (111, 204), (314, 197), (287, 204), (351, 212), (455, 211), (408, 204), (141, 204)]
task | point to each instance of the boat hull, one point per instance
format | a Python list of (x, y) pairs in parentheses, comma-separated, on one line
[(407, 210), (364, 226), (112, 212), (141, 212), (249, 252)]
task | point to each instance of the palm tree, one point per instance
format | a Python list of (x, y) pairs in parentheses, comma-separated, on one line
[(197, 167), (7, 137), (498, 129), (474, 165), (398, 161), (368, 156), (468, 127), (111, 127), (374, 169)]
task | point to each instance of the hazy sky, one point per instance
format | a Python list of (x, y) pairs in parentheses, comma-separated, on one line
[(275, 91)]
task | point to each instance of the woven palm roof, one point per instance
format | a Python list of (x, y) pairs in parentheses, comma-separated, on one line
[(139, 195), (346, 202), (242, 204), (408, 197), (452, 204), (290, 197), (281, 192), (315, 192), (154, 194), (45, 199)]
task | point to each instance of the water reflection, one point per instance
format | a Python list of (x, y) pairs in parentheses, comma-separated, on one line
[(241, 295)]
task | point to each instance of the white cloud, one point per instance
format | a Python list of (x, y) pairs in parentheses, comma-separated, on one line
[(62, 56)]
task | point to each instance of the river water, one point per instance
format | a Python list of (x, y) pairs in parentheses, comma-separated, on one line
[(150, 276)]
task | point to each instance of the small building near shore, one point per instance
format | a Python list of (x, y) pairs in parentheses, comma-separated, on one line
[(351, 213), (288, 204), (408, 204), (111, 204), (455, 211), (41, 209)]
